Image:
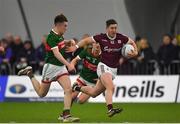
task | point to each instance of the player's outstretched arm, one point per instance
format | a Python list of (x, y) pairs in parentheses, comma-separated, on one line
[(85, 42), (75, 60), (81, 43), (58, 55)]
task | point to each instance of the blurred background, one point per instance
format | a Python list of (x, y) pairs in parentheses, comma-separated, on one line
[(152, 76), (154, 25)]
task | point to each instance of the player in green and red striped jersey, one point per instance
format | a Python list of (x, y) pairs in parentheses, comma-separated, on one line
[(88, 75), (55, 67)]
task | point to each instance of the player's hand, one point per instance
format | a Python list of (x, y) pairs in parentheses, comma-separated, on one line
[(71, 68), (71, 49), (132, 53)]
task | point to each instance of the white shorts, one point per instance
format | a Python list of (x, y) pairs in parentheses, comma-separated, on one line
[(82, 82), (102, 68), (52, 72)]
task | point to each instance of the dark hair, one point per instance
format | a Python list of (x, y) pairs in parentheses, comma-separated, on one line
[(110, 22), (138, 38), (29, 42), (4, 40), (60, 19)]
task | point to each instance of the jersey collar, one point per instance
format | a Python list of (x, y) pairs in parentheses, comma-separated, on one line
[(55, 32), (111, 37)]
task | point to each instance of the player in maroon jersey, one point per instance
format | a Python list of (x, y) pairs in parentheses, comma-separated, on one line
[(111, 44)]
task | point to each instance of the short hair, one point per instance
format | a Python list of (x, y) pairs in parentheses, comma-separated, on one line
[(110, 22), (60, 19)]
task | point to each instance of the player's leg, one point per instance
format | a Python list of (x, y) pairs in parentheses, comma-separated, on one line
[(106, 76), (106, 79), (82, 98), (74, 98), (89, 90), (76, 93), (65, 83), (40, 88)]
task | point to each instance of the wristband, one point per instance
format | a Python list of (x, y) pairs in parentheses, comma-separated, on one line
[(77, 46)]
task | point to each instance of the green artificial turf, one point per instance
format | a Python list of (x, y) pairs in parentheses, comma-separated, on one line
[(89, 112)]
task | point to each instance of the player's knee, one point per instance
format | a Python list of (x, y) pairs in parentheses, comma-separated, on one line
[(106, 77)]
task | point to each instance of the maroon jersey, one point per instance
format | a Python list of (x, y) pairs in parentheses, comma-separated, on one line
[(111, 48)]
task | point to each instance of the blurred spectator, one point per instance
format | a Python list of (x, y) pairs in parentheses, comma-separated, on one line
[(5, 57), (146, 54), (40, 54), (137, 41), (1, 49), (166, 53), (27, 56), (126, 66), (177, 47), (9, 38), (175, 64), (178, 39), (16, 46)]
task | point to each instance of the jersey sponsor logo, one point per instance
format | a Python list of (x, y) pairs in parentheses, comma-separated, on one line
[(119, 41), (89, 65), (107, 49), (94, 60), (104, 40)]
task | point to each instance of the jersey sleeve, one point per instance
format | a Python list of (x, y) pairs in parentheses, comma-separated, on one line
[(52, 42), (82, 54), (124, 39), (97, 38)]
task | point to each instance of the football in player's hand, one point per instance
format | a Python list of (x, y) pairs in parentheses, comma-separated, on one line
[(126, 49)]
